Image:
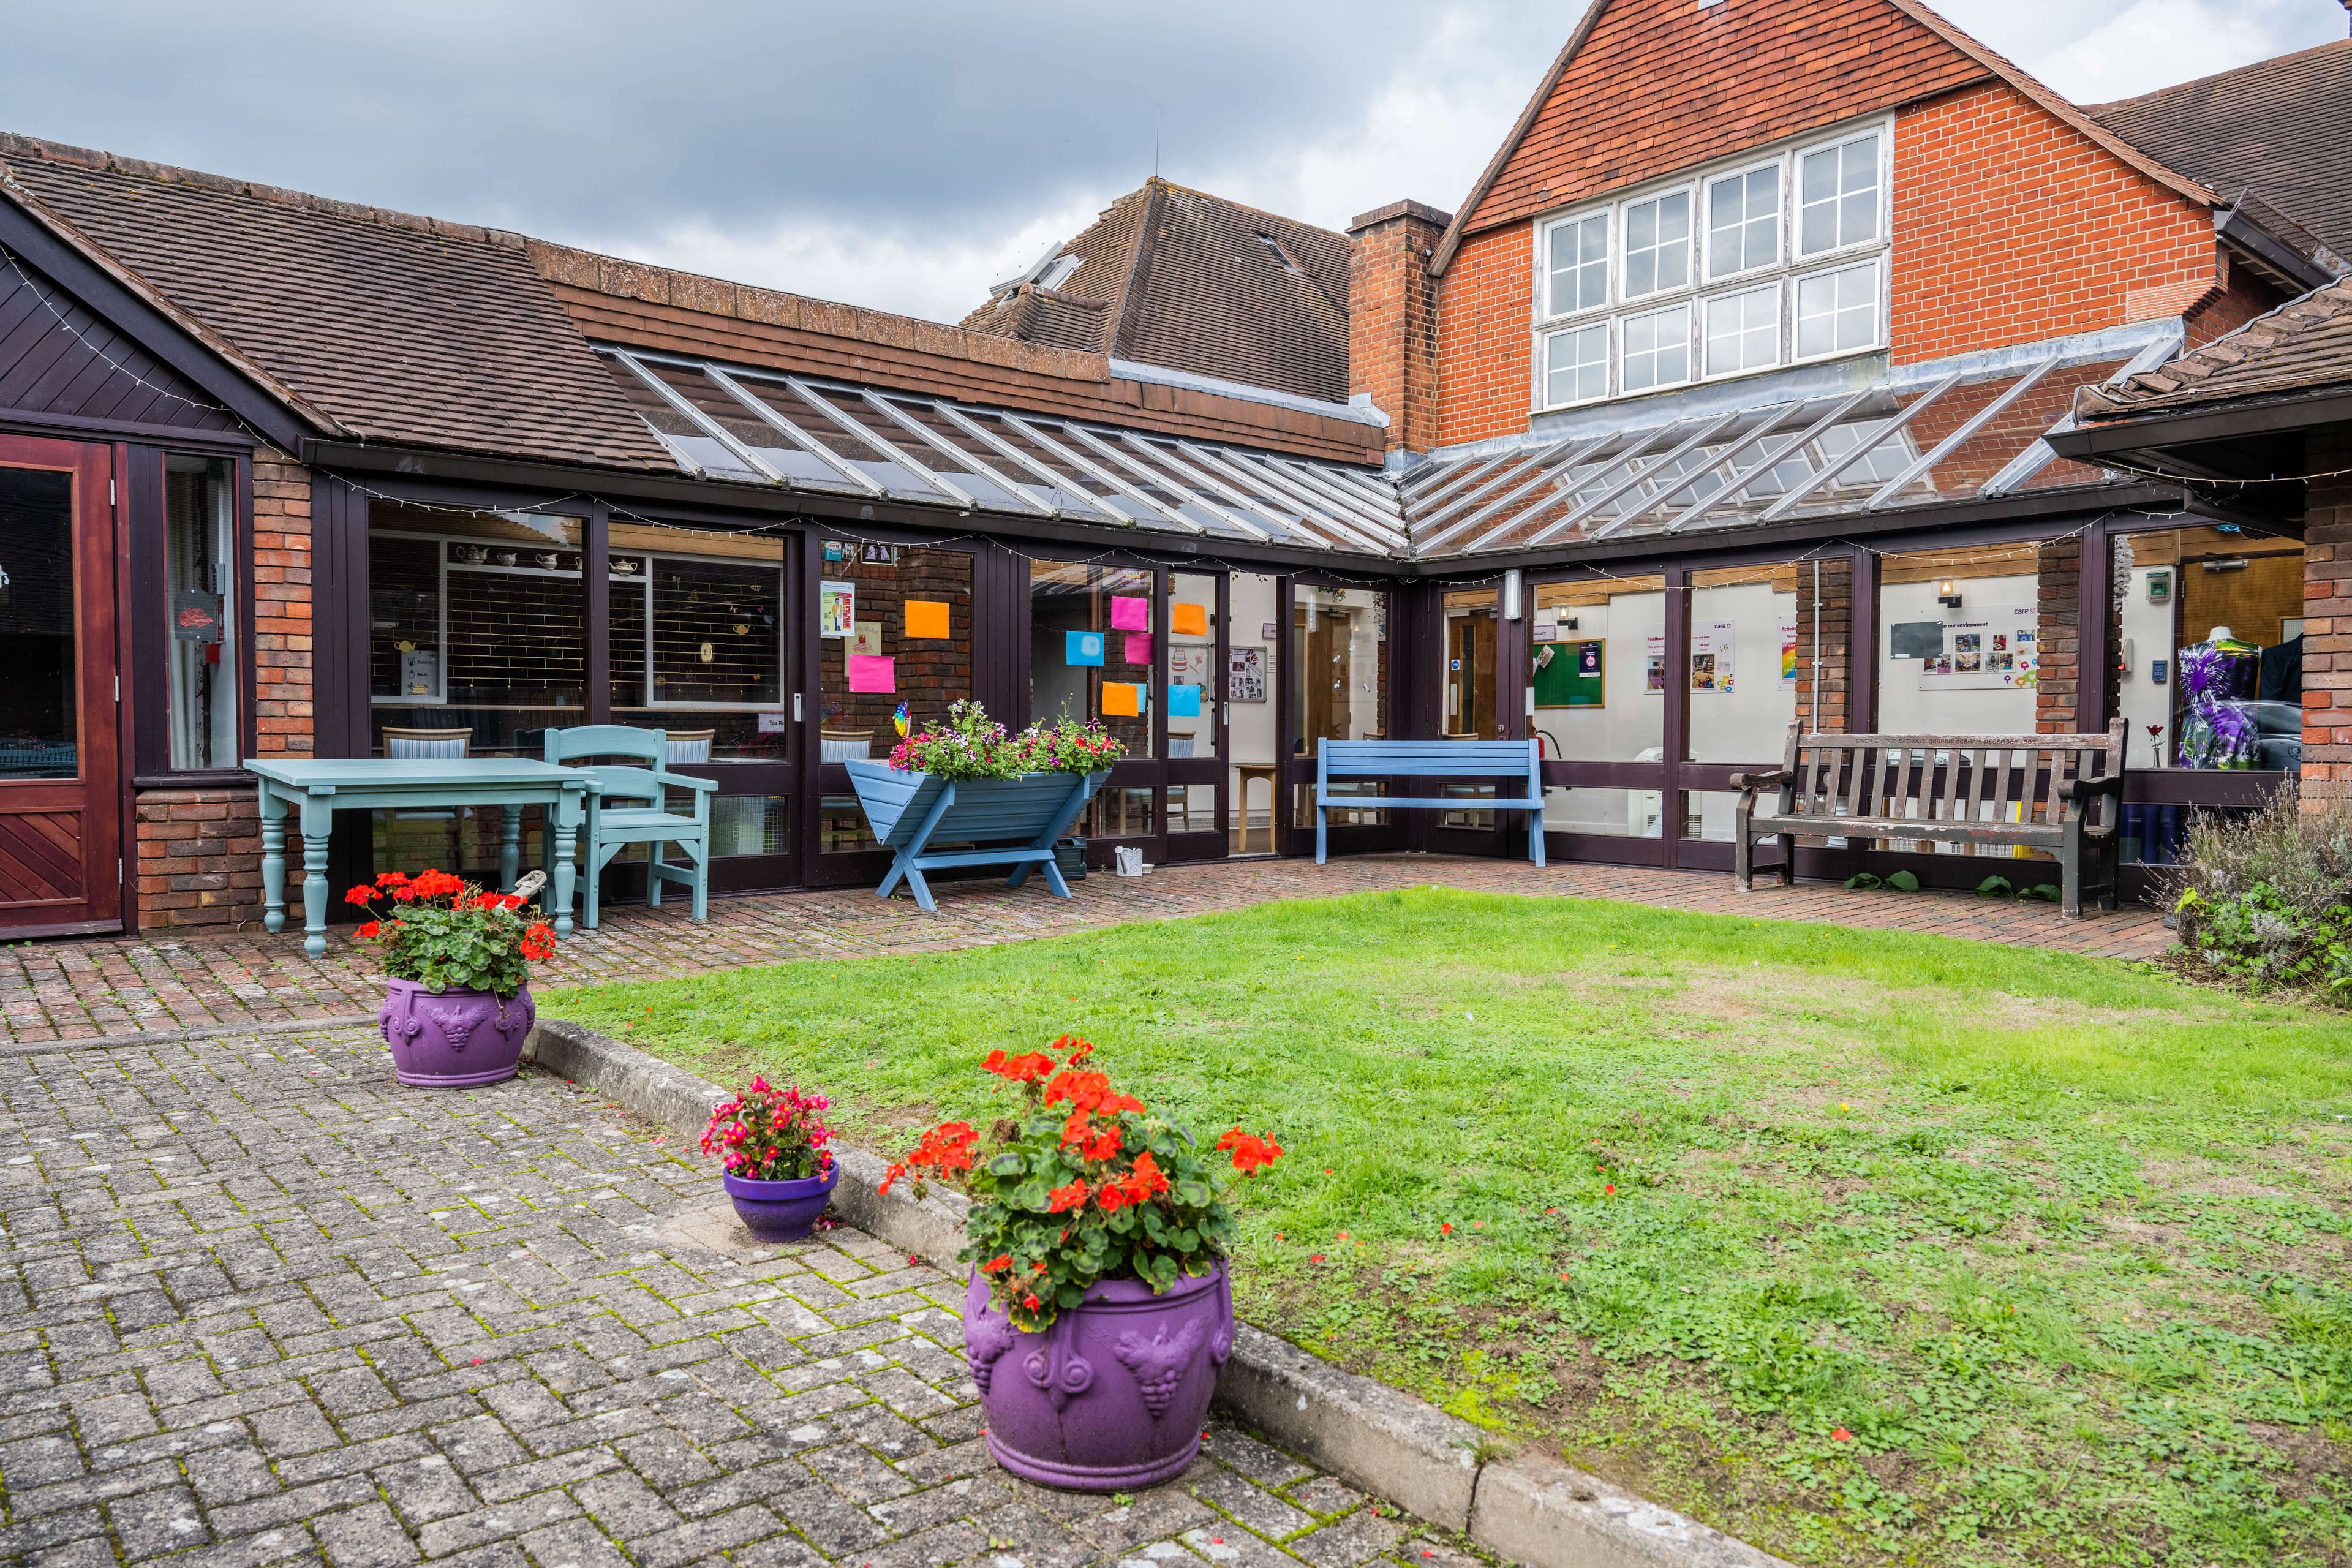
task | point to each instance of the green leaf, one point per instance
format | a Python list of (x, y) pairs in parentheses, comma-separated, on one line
[(1995, 887), (1904, 882), (1861, 880)]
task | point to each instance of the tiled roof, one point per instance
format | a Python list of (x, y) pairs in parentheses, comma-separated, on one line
[(2303, 346), (2280, 127), (1186, 280), (392, 328)]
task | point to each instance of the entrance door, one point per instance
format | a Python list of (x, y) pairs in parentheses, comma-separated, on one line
[(60, 793)]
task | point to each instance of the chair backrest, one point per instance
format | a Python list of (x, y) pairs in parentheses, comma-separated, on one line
[(417, 745), (571, 746), (1429, 759), (689, 745)]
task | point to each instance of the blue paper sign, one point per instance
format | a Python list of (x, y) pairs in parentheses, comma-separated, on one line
[(1082, 647), (1183, 702)]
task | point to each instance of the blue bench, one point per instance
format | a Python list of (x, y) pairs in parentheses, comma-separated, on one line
[(1518, 761)]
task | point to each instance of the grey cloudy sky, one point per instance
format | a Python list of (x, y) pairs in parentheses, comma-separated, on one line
[(896, 154)]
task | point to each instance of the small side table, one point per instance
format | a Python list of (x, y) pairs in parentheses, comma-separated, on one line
[(1243, 774)]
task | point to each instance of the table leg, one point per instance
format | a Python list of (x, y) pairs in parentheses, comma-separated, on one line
[(565, 828), (318, 818), (509, 846), (273, 861)]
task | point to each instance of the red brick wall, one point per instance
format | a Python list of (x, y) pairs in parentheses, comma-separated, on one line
[(1485, 304), (1830, 673), (281, 605), (2241, 298), (2058, 628), (199, 858), (1392, 321), (2327, 628), (2012, 227)]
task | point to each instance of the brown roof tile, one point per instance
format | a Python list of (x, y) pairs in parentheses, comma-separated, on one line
[(1183, 280), (2303, 346), (2280, 127), (394, 326)]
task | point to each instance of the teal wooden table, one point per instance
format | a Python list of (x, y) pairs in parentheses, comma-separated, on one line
[(317, 790)]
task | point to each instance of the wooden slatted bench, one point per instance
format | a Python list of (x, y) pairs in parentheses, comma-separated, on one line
[(2059, 793), (1518, 761)]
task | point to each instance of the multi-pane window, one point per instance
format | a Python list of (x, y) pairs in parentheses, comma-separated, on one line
[(200, 572), (1794, 241), (1577, 364), (1657, 245), (1743, 330), (1837, 196), (1657, 348), (1837, 311), (1743, 222), (1579, 265)]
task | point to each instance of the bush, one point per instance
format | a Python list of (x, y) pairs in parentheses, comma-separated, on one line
[(2267, 899)]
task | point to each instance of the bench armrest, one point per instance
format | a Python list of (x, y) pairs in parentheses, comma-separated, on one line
[(688, 781), (1768, 780), (2078, 789)]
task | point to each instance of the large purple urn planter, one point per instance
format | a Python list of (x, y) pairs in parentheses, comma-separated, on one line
[(1109, 1397), (454, 1038), (780, 1211)]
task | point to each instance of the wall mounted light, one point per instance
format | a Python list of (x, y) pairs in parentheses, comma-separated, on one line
[(1511, 595), (1947, 594)]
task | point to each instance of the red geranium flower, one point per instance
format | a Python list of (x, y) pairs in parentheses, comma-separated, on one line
[(1062, 1199)]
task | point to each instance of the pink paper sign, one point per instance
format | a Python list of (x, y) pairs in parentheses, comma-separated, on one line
[(1138, 647), (873, 672), (1130, 615)]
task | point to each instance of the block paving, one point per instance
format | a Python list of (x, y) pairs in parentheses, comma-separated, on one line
[(259, 1304), (171, 982)]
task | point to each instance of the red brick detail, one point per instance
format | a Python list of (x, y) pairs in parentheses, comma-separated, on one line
[(1830, 670), (199, 856), (1659, 85), (282, 644), (2223, 311), (1392, 319), (2327, 628), (2059, 630), (1485, 304), (2012, 227)]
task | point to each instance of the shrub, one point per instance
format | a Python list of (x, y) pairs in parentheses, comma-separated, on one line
[(972, 746), (771, 1134), (1102, 1189), (2266, 898), (441, 930)]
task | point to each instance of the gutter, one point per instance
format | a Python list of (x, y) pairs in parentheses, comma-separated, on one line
[(2303, 271), (2191, 427), (1160, 375)]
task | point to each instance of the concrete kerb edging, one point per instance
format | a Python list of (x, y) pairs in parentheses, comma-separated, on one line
[(1532, 1511)]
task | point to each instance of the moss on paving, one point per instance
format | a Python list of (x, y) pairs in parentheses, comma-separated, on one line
[(2059, 1243)]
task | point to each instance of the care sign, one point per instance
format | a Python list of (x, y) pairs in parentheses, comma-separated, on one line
[(1975, 650)]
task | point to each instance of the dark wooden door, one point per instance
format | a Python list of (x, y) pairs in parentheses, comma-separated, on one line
[(60, 789)]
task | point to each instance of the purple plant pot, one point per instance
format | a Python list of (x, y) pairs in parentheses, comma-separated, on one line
[(781, 1210), (454, 1038), (1110, 1397)]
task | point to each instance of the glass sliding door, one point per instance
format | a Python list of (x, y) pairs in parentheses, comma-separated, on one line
[(1249, 690), (1094, 641), (1341, 686), (1195, 661), (1598, 668)]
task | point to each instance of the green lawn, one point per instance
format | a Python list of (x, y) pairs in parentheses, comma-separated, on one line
[(2061, 1242)]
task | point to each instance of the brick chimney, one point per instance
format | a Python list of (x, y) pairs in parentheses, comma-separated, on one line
[(1392, 318)]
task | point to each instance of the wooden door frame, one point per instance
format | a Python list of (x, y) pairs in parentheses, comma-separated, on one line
[(102, 794)]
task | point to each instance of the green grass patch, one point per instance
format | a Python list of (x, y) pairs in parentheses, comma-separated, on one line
[(2060, 1242)]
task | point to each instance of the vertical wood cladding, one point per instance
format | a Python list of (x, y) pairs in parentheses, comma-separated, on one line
[(56, 357)]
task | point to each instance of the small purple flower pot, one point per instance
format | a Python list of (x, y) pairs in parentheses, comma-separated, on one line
[(1110, 1397), (781, 1210), (454, 1038)]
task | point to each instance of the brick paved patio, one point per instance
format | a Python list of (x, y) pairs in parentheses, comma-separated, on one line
[(262, 1304), (128, 985)]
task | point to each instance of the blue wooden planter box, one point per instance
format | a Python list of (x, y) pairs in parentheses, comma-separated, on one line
[(908, 811)]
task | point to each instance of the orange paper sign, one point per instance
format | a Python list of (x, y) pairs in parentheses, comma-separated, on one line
[(1122, 700), (926, 618), (1189, 620)]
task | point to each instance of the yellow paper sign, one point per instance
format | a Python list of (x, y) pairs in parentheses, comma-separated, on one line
[(1122, 700), (1189, 620), (926, 618)]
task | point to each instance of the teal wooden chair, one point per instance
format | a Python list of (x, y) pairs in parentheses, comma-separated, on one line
[(631, 806)]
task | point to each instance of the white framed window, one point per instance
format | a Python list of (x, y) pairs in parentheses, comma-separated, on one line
[(1657, 348), (1838, 191), (1658, 244), (1837, 311), (1743, 330), (1576, 365), (1743, 222), (1579, 265)]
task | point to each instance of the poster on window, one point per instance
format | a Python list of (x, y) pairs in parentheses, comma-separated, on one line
[(1245, 675), (1998, 646), (1653, 639), (836, 609), (1188, 664), (1711, 668), (1787, 653)]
